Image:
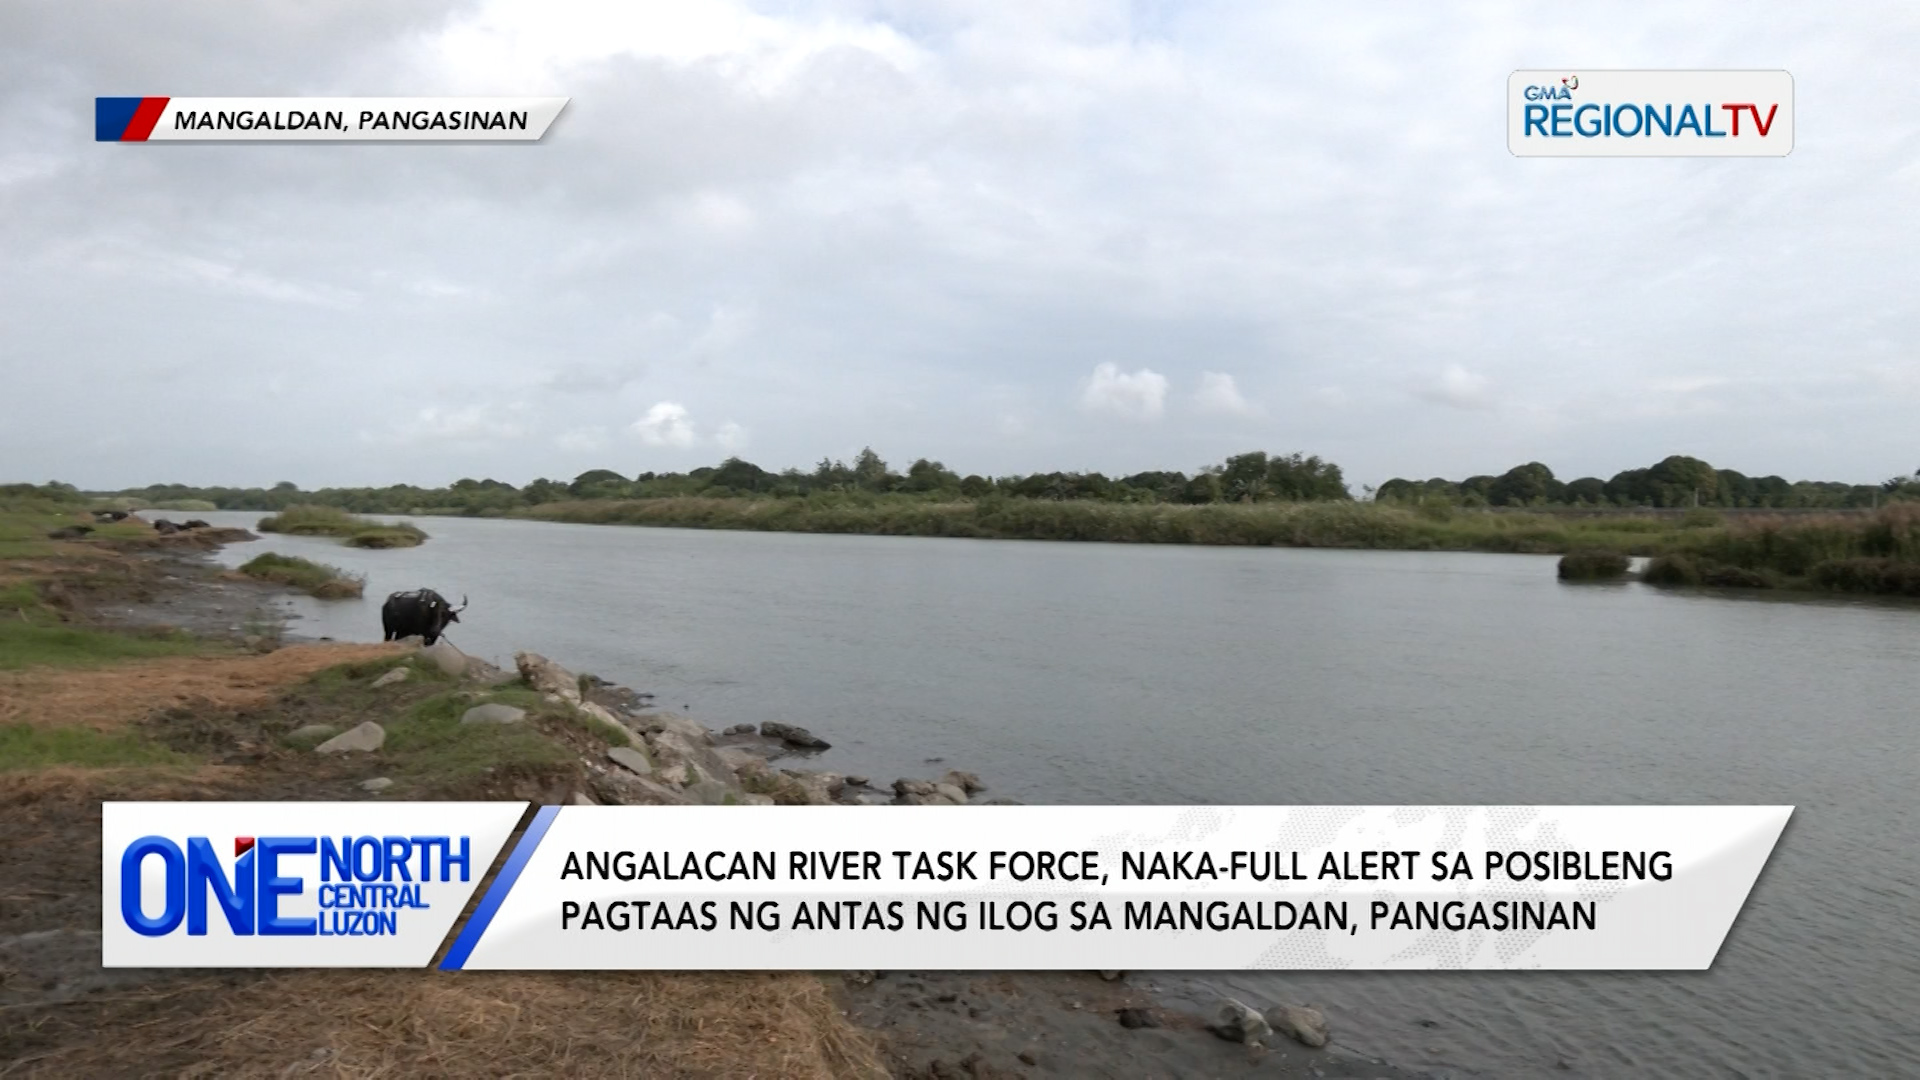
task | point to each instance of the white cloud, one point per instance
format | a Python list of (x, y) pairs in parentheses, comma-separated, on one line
[(670, 424), (1459, 388), (666, 424), (1218, 393), (1139, 395)]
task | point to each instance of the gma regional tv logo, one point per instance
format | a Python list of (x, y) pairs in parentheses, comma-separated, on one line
[(1566, 113), (362, 884)]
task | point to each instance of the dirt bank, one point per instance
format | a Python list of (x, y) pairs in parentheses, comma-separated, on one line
[(114, 697)]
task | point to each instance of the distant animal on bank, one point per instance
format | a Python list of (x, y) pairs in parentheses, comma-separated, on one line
[(109, 515), (422, 612), (195, 523), (165, 527), (70, 532)]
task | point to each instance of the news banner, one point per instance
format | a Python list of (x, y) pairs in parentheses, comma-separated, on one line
[(1136, 888), (316, 119)]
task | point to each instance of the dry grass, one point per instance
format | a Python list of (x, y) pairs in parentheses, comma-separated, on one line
[(69, 783), (113, 697), (433, 1024)]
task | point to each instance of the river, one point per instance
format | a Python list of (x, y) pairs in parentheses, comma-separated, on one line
[(1098, 673)]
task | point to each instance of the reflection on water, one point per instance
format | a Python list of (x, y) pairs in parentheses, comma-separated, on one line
[(1095, 673)]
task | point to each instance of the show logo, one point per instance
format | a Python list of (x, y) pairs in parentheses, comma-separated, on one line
[(1650, 114), (306, 884), (365, 883)]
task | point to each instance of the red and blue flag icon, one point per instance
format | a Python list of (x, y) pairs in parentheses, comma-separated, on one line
[(126, 119)]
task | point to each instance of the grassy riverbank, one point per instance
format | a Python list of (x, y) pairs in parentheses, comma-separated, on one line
[(1877, 553), (93, 709), (1267, 524), (40, 578), (315, 579), (356, 531)]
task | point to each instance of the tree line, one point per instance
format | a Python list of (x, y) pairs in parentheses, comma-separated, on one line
[(1253, 477), (1676, 481)]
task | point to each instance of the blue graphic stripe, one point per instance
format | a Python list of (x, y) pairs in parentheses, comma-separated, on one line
[(502, 884), (111, 115)]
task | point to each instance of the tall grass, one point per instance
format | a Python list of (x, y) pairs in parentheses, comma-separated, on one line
[(316, 579), (1877, 553), (1795, 545), (405, 534), (1310, 524), (1590, 565), (332, 521)]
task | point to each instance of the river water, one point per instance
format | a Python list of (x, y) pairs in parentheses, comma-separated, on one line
[(1096, 673)]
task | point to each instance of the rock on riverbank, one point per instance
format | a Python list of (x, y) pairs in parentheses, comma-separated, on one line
[(672, 759)]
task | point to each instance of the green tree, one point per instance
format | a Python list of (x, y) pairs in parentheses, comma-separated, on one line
[(1586, 491), (870, 471), (831, 475), (1244, 477), (1158, 486), (1523, 485), (924, 475), (1204, 487), (1680, 480), (1631, 487), (1398, 490), (1299, 477), (543, 491), (598, 484), (737, 475)]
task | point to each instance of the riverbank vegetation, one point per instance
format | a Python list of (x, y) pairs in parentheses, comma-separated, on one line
[(356, 531), (35, 628), (1591, 565), (1276, 524), (1876, 554), (1679, 506), (49, 643), (27, 747), (1251, 477), (315, 579), (1674, 482)]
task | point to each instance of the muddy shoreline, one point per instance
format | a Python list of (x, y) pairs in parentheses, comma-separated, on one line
[(929, 1024)]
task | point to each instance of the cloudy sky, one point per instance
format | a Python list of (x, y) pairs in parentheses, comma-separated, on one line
[(1013, 237)]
